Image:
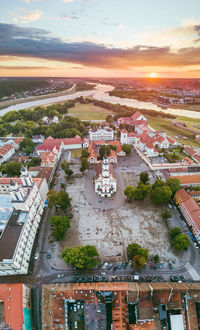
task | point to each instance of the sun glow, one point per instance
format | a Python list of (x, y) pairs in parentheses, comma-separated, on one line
[(153, 75)]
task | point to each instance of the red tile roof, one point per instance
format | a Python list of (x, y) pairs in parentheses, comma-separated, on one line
[(191, 152), (196, 158), (5, 149), (189, 179), (177, 170), (11, 295)]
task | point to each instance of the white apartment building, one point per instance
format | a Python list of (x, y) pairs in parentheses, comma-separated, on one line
[(106, 134), (18, 235)]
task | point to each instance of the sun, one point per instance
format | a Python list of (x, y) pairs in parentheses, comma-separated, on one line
[(153, 75)]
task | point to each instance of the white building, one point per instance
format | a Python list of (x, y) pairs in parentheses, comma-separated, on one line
[(106, 134), (38, 138), (18, 235), (104, 180)]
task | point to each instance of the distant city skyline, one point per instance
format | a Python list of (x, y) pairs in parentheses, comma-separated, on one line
[(93, 38)]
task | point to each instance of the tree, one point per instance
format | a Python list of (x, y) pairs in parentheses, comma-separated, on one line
[(129, 192), (181, 242), (12, 168), (66, 168), (135, 249), (104, 150), (84, 153), (26, 142), (156, 258), (127, 148), (35, 161), (81, 256), (51, 197), (174, 184), (138, 261), (166, 214), (144, 177), (161, 195), (28, 150), (141, 191), (113, 147), (60, 226), (62, 200), (84, 164), (174, 232)]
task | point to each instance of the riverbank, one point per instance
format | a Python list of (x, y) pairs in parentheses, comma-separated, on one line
[(6, 104)]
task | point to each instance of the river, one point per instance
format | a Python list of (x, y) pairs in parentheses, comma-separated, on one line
[(101, 93)]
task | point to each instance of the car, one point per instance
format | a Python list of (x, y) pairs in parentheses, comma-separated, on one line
[(36, 255), (115, 267), (48, 255), (170, 266), (152, 265), (100, 200), (169, 206), (109, 266), (61, 275), (105, 265), (161, 265), (125, 265), (75, 308), (120, 265), (196, 246)]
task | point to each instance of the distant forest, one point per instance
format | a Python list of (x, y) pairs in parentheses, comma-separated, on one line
[(12, 86)]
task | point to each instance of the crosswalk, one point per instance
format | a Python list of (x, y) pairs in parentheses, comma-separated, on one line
[(195, 276)]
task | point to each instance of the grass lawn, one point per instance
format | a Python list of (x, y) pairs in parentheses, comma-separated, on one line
[(89, 112), (76, 153), (189, 120), (173, 131)]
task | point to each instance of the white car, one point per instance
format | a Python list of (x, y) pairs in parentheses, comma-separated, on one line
[(36, 255), (196, 246), (61, 275)]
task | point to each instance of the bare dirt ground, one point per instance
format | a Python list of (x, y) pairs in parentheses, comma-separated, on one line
[(112, 229)]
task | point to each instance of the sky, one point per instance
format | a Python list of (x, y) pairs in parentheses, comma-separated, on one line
[(93, 38)]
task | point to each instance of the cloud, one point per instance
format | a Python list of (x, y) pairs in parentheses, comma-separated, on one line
[(67, 1), (29, 1), (20, 67), (38, 43), (29, 16)]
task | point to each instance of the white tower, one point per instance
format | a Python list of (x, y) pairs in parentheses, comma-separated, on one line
[(124, 137), (105, 167)]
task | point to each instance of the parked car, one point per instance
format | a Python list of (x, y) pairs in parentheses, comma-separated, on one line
[(115, 267), (170, 266), (196, 246), (36, 255), (61, 275), (48, 255)]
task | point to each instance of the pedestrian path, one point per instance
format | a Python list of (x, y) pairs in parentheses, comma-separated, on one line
[(195, 276)]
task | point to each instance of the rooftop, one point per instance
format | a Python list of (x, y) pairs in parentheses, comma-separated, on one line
[(10, 236)]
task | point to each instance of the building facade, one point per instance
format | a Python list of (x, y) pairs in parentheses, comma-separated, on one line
[(104, 180), (17, 238)]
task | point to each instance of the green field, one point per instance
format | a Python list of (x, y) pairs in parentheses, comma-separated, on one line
[(76, 153), (173, 131), (89, 112)]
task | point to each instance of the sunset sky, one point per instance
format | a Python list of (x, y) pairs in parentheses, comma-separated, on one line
[(111, 38)]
